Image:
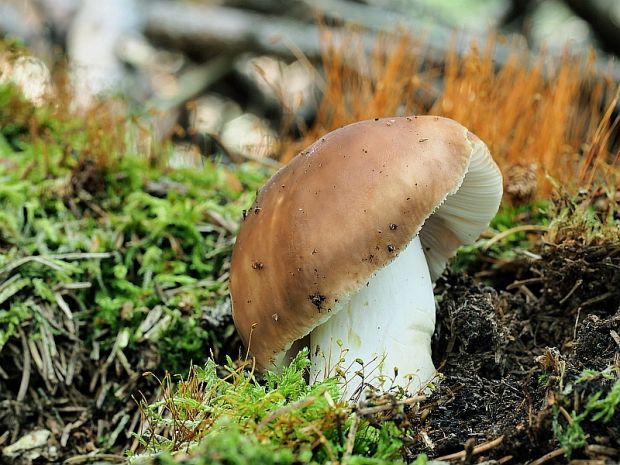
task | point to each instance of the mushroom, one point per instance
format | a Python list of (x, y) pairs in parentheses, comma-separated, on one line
[(344, 243)]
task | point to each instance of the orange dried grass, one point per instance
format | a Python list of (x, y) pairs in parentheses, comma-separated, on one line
[(361, 84), (554, 116), (532, 114)]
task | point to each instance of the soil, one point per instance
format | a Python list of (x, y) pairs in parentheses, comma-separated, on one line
[(510, 355), (510, 344)]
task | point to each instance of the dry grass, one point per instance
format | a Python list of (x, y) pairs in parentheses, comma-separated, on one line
[(361, 85), (541, 117), (103, 132)]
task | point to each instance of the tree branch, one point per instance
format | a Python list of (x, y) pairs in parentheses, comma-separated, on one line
[(601, 23), (204, 31)]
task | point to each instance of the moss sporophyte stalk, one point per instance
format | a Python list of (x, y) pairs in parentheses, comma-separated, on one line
[(231, 417)]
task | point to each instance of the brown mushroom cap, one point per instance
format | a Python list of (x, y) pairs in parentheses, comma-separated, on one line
[(344, 208)]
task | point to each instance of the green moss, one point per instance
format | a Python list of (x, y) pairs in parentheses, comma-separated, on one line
[(600, 406), (233, 448), (224, 415), (91, 232)]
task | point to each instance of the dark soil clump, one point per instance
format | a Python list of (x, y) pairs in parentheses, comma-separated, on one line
[(512, 360)]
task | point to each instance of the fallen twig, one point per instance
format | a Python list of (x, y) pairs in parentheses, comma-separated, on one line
[(209, 30), (545, 458), (94, 458), (47, 260), (477, 450), (23, 385), (355, 422), (287, 408), (600, 449), (390, 405), (516, 229)]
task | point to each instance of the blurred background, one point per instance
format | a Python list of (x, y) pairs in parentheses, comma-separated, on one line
[(259, 79)]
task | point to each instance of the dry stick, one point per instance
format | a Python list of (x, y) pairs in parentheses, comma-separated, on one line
[(323, 440), (66, 431), (566, 415), (287, 408), (211, 30), (390, 405), (576, 323), (192, 82), (516, 229), (45, 260), (238, 156), (64, 306), (588, 462), (351, 438), (37, 258), (525, 290), (477, 450), (88, 458), (603, 450), (604, 27), (80, 255), (524, 281), (249, 345), (545, 458), (596, 299), (23, 386), (572, 291)]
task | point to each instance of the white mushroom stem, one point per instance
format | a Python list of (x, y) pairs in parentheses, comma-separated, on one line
[(388, 325)]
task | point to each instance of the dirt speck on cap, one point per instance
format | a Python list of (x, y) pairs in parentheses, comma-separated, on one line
[(317, 300)]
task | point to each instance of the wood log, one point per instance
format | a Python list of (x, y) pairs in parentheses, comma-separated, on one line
[(600, 19), (203, 31), (92, 42)]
